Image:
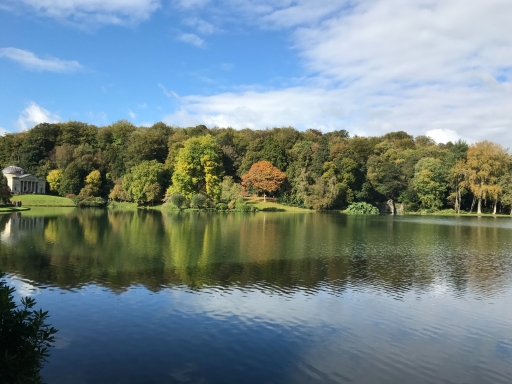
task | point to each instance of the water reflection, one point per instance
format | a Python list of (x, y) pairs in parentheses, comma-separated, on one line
[(266, 298), (279, 252)]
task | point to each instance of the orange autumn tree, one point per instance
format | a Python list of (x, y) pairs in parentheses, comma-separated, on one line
[(263, 177)]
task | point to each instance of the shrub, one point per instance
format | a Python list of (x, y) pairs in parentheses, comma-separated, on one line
[(362, 209), (82, 201), (70, 195), (178, 200), (242, 206), (198, 200), (221, 207), (24, 338)]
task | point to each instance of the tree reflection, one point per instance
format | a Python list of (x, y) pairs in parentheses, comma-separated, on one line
[(284, 252)]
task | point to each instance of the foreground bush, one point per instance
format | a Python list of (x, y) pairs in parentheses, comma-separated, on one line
[(362, 209), (24, 338)]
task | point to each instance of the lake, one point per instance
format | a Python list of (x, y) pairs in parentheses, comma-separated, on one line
[(150, 297)]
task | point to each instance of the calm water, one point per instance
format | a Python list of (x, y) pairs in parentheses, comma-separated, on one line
[(145, 297)]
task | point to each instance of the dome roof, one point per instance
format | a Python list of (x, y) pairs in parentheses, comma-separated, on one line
[(13, 170)]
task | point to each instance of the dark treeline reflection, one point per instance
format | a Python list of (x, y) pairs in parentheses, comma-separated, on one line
[(272, 251)]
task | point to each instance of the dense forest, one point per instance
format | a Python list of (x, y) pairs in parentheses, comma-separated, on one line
[(201, 167)]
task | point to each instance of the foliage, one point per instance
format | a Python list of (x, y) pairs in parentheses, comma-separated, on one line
[(198, 169), (429, 183), (362, 209), (37, 146), (178, 200), (486, 162), (118, 193), (5, 191), (263, 177), (89, 201), (92, 184), (144, 182), (221, 207), (230, 190), (54, 179), (72, 180), (198, 201), (25, 338), (323, 171)]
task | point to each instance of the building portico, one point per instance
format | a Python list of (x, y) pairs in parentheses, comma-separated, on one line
[(20, 182)]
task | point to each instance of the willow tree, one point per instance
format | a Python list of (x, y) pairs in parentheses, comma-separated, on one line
[(486, 162), (198, 169)]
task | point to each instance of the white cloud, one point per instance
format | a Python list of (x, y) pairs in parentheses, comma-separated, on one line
[(34, 114), (132, 115), (93, 11), (191, 38), (263, 109), (202, 26), (374, 66), (190, 4), (169, 94), (443, 135), (31, 61), (3, 131)]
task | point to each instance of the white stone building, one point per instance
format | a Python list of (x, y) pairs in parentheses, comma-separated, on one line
[(21, 182)]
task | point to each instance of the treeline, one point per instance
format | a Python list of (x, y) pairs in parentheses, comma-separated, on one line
[(206, 167)]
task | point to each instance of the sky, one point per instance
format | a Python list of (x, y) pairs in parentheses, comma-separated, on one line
[(429, 67)]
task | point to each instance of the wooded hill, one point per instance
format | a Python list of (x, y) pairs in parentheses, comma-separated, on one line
[(307, 168)]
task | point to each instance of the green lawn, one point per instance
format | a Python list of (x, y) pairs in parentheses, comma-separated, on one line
[(43, 201), (270, 205)]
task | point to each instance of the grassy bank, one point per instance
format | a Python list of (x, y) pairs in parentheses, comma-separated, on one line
[(122, 206), (270, 205), (43, 201), (12, 209)]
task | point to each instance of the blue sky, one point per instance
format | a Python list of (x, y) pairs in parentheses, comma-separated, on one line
[(369, 66)]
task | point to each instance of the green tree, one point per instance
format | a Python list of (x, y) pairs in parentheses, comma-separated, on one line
[(37, 146), (230, 190), (5, 191), (72, 180), (429, 182), (198, 169), (144, 183), (118, 193)]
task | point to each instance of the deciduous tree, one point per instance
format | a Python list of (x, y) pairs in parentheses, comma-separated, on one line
[(144, 183), (487, 162), (198, 169), (263, 177), (54, 179)]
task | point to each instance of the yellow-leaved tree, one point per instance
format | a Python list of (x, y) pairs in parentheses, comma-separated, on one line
[(54, 178), (486, 163), (198, 169), (92, 184)]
